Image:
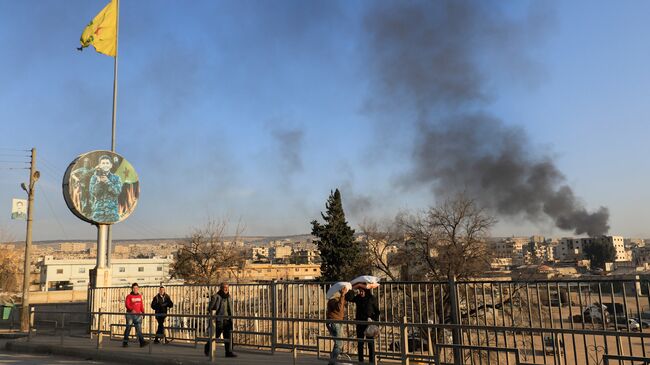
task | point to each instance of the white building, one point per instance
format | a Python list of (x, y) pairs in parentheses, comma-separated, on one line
[(75, 274), (260, 253), (572, 249)]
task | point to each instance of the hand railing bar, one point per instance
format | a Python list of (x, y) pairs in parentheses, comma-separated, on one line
[(469, 281), (393, 324)]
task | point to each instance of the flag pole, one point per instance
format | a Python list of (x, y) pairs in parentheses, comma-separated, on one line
[(109, 238), (117, 32)]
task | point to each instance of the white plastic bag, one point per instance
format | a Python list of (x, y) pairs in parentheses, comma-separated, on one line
[(336, 288), (371, 282), (372, 330)]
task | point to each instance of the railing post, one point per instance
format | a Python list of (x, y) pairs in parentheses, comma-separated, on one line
[(150, 333), (62, 329), (404, 336), (31, 323), (213, 336), (99, 328), (294, 350), (455, 319), (274, 316)]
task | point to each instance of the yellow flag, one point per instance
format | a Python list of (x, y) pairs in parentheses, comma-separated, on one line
[(101, 32)]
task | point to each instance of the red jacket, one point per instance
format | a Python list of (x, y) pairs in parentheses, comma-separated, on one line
[(134, 303)]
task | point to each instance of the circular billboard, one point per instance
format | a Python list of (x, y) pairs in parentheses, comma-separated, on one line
[(101, 187)]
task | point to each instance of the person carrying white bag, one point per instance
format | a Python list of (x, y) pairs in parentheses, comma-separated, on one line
[(367, 308)]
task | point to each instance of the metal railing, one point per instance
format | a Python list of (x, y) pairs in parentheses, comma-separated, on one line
[(436, 348), (547, 321)]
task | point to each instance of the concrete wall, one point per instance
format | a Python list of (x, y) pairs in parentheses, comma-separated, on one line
[(58, 296)]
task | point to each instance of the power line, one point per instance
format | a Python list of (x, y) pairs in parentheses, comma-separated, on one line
[(14, 149), (13, 155), (56, 218)]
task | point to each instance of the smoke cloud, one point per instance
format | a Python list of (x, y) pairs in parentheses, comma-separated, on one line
[(289, 144), (431, 60)]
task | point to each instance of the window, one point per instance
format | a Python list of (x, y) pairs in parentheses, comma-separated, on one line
[(82, 270), (81, 281), (159, 268), (141, 269), (59, 271), (122, 269)]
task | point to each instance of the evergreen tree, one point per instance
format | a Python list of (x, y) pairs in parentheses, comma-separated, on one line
[(340, 254)]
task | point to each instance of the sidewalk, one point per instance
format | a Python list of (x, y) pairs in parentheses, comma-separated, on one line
[(172, 354)]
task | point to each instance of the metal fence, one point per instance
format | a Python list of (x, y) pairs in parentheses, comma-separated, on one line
[(473, 322)]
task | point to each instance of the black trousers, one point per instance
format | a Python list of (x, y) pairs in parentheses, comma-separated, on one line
[(361, 329), (160, 332), (226, 330)]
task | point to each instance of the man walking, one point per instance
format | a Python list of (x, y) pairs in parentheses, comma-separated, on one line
[(134, 311), (222, 304), (336, 312), (367, 307), (160, 303)]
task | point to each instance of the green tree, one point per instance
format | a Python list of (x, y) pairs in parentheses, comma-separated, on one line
[(599, 251), (341, 255)]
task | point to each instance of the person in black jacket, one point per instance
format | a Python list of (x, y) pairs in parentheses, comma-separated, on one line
[(160, 303), (367, 307), (222, 304)]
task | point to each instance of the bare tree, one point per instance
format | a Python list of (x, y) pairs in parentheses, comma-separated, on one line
[(208, 254), (11, 263), (451, 238), (384, 247)]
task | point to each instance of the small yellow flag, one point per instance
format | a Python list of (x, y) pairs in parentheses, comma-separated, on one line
[(101, 32)]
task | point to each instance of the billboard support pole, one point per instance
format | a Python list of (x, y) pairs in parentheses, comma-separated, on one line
[(102, 236)]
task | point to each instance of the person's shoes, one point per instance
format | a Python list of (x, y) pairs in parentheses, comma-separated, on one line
[(206, 349), (125, 344), (144, 343), (231, 354), (167, 340), (156, 341)]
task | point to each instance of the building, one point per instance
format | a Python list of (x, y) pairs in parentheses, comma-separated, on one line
[(269, 272), (75, 274), (305, 256), (569, 249), (260, 253), (572, 249), (511, 248), (642, 257), (72, 246), (279, 253)]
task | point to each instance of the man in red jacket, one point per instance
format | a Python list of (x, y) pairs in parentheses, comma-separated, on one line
[(134, 310)]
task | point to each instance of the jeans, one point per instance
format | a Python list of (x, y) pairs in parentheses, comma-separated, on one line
[(133, 320), (335, 331), (361, 334), (160, 332)]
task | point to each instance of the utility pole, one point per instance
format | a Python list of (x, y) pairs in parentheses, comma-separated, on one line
[(33, 177)]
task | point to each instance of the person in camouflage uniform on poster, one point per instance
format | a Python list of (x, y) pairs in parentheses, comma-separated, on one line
[(105, 188)]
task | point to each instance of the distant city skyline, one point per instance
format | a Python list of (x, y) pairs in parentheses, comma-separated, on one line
[(254, 111)]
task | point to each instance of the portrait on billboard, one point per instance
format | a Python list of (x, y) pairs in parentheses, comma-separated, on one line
[(19, 209), (101, 187)]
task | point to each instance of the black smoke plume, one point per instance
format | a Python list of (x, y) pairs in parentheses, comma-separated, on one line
[(431, 60)]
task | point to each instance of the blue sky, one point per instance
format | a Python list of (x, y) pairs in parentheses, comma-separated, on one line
[(255, 110)]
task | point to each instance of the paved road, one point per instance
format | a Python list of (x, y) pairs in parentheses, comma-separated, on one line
[(29, 359)]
